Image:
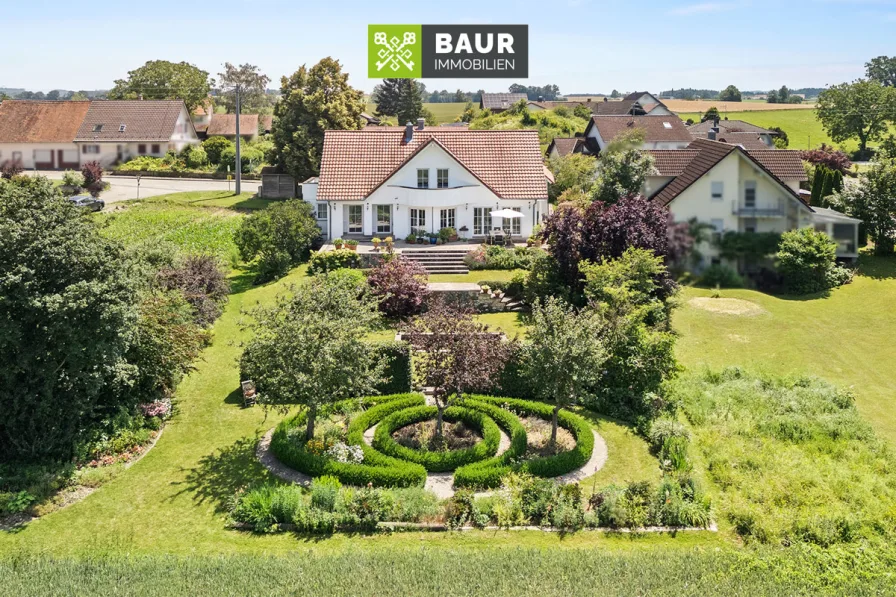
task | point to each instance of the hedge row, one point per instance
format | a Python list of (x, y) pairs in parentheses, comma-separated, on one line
[(438, 462), (548, 466), (377, 468), (329, 261), (487, 474)]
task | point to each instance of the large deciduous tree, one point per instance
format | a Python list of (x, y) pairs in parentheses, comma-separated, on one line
[(622, 169), (563, 355), (67, 316), (882, 69), (161, 79), (730, 94), (312, 101), (308, 349), (573, 171), (253, 86), (458, 353), (859, 110)]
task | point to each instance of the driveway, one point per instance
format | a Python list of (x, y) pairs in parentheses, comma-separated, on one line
[(125, 187)]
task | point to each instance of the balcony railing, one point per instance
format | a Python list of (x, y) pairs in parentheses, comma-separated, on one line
[(756, 211)]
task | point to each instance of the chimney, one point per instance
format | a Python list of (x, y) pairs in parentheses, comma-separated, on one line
[(408, 132), (715, 124), (140, 97), (711, 135), (541, 98), (421, 122)]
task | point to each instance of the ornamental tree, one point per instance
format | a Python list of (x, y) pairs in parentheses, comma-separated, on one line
[(563, 356), (203, 282), (873, 201), (308, 349), (575, 171), (458, 354), (827, 156), (622, 171), (313, 101), (400, 286)]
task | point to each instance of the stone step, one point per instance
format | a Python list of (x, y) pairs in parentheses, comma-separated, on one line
[(447, 271)]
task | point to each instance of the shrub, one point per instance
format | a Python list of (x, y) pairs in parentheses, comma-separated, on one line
[(10, 169), (488, 473), (280, 237), (328, 261), (194, 156), (495, 257), (203, 282), (249, 158), (214, 147), (461, 511), (664, 429), (400, 285), (721, 276), (324, 491), (438, 461), (93, 177), (807, 262), (370, 506), (73, 179), (397, 375)]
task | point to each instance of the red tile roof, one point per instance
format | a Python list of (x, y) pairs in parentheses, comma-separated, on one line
[(656, 128), (500, 101), (143, 120), (729, 126), (566, 145), (28, 121), (748, 141), (355, 163), (225, 124), (786, 164), (672, 162)]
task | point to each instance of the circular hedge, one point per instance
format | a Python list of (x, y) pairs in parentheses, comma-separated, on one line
[(438, 462), (391, 465)]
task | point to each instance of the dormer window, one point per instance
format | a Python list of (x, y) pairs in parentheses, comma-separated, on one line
[(422, 178), (97, 128), (121, 128)]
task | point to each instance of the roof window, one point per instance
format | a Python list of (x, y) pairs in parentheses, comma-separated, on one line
[(667, 125), (121, 128), (97, 128)]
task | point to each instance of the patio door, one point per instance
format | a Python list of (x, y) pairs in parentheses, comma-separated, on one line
[(354, 223), (512, 226), (383, 219)]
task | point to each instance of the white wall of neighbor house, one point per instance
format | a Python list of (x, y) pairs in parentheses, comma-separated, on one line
[(594, 134), (731, 176), (401, 199), (40, 155)]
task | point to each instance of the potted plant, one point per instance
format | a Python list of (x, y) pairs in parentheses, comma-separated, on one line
[(411, 238), (338, 242), (389, 242), (421, 236), (351, 244), (452, 234), (485, 288), (433, 238)]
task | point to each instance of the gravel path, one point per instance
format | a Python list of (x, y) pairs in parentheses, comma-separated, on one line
[(266, 457)]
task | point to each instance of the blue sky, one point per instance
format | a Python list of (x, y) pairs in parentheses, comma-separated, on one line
[(583, 46)]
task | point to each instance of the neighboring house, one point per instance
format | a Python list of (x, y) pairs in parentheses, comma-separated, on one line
[(388, 181), (561, 146), (202, 116), (224, 125), (647, 102), (733, 189), (40, 134), (660, 132), (735, 130), (498, 102), (115, 131)]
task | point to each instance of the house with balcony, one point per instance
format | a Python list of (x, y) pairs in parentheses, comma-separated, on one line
[(390, 181), (735, 189)]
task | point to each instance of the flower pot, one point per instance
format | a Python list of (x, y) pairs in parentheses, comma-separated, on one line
[(421, 241), (351, 247), (452, 238), (433, 241), (338, 246)]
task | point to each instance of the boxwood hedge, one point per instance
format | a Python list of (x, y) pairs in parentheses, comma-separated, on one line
[(438, 461), (487, 474), (377, 468)]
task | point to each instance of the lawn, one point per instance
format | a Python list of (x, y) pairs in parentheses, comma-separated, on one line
[(444, 112)]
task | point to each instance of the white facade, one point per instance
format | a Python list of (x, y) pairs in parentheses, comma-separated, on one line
[(721, 198), (41, 156), (399, 205)]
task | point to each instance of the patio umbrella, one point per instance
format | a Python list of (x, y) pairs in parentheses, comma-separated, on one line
[(506, 214)]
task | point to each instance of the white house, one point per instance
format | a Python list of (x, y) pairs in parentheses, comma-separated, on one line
[(388, 181), (660, 131), (117, 130), (734, 189), (40, 134)]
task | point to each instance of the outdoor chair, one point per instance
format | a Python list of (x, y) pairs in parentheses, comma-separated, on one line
[(249, 395)]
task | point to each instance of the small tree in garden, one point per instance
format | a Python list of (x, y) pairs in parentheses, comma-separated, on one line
[(400, 286), (93, 177), (873, 201), (574, 171), (458, 353), (280, 237), (622, 171), (829, 157), (309, 348), (807, 261), (562, 230), (711, 114), (203, 283), (563, 355)]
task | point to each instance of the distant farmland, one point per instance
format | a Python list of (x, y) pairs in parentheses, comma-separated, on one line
[(447, 112), (802, 127), (677, 105)]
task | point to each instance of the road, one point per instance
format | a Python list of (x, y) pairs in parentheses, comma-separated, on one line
[(124, 188)]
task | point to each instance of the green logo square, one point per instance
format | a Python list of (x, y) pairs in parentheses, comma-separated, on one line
[(394, 51)]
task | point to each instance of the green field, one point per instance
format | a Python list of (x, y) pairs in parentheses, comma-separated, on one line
[(444, 112)]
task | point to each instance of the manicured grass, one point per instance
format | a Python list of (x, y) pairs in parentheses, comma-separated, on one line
[(845, 338), (224, 199), (479, 275), (444, 112)]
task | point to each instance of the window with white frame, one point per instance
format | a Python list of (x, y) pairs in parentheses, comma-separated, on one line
[(418, 218), (718, 227), (321, 211), (422, 178), (90, 149), (442, 178), (750, 193), (512, 225), (718, 188), (446, 219), (482, 220)]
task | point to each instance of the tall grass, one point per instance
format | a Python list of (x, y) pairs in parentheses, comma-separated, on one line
[(448, 573), (792, 458)]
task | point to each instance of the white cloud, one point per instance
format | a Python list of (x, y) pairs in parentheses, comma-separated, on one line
[(702, 8)]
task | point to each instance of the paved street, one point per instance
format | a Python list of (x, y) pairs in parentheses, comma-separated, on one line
[(124, 188)]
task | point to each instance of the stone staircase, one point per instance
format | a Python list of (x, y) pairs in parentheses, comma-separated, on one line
[(448, 261)]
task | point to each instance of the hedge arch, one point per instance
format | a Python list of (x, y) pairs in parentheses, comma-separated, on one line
[(438, 462)]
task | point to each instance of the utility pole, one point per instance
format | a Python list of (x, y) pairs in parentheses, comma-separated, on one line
[(239, 163)]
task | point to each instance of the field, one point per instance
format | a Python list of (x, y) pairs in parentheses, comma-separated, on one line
[(679, 106), (802, 127), (444, 112)]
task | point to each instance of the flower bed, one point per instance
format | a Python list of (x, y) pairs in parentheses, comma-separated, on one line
[(438, 461)]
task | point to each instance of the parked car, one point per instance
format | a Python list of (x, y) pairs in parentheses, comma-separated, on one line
[(88, 202)]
